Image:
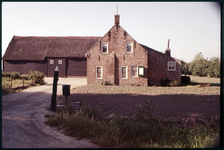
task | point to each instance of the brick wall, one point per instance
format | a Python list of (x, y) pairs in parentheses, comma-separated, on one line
[(158, 67), (116, 58)]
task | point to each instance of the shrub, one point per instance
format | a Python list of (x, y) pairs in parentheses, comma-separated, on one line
[(185, 79), (5, 74), (142, 114), (25, 76), (104, 83), (15, 75), (37, 76), (174, 83), (165, 81)]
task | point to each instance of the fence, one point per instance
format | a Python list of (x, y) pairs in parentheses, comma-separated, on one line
[(10, 83)]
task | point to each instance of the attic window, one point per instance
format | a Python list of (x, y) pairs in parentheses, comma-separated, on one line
[(51, 62), (129, 47), (104, 47), (60, 62), (171, 66)]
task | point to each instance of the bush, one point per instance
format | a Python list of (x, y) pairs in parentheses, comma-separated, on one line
[(185, 79), (15, 75), (174, 83), (165, 81), (6, 74), (25, 76), (37, 76), (104, 83)]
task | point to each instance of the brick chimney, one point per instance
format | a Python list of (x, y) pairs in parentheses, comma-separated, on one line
[(117, 20), (168, 49)]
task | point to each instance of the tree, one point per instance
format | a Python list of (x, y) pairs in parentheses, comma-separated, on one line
[(198, 57)]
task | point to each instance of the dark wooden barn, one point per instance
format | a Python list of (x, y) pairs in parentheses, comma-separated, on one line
[(45, 53)]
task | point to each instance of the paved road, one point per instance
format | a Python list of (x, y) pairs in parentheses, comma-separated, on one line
[(23, 119)]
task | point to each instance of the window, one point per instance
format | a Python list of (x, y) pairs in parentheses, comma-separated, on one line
[(104, 48), (99, 72), (134, 71), (51, 62), (141, 71), (60, 62), (171, 66), (129, 47), (124, 72)]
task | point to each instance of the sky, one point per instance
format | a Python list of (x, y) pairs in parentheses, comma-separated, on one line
[(192, 27)]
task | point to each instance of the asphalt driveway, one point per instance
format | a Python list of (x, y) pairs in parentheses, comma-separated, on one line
[(23, 118)]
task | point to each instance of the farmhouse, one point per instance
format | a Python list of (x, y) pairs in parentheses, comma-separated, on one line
[(116, 58)]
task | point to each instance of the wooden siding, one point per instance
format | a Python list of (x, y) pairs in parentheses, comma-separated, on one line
[(23, 66), (61, 67), (76, 67)]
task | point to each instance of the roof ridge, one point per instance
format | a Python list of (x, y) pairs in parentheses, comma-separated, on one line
[(57, 36)]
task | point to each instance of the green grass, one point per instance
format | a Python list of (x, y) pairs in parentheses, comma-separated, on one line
[(212, 81), (6, 85), (140, 131)]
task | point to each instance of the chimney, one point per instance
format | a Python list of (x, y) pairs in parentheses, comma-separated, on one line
[(117, 20), (168, 49)]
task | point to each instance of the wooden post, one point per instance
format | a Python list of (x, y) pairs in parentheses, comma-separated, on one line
[(11, 81), (23, 81), (54, 92), (66, 101)]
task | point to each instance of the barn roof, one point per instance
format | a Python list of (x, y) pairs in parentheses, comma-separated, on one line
[(37, 48)]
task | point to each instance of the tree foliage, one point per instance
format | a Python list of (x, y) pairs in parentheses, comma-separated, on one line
[(201, 66)]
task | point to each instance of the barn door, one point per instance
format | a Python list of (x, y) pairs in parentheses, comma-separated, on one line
[(53, 62)]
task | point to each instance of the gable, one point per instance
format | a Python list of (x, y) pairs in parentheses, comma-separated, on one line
[(116, 38)]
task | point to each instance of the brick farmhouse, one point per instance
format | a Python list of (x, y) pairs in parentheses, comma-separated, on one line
[(115, 58), (118, 59)]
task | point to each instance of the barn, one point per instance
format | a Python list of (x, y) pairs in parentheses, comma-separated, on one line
[(45, 53)]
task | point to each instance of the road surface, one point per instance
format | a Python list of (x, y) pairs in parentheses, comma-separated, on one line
[(23, 118)]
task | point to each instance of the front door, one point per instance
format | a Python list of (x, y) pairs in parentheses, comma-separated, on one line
[(60, 62)]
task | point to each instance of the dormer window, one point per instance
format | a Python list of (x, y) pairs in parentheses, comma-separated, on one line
[(171, 66), (104, 47), (129, 47)]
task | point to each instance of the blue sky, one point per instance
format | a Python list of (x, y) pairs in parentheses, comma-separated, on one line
[(192, 27)]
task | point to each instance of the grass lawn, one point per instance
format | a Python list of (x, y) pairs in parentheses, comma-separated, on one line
[(144, 117), (212, 81)]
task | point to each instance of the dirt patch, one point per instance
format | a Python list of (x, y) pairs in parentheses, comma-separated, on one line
[(187, 106)]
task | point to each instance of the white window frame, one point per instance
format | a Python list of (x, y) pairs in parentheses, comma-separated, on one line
[(132, 72), (51, 62), (60, 62), (131, 47), (102, 44), (171, 63), (126, 72), (101, 72)]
